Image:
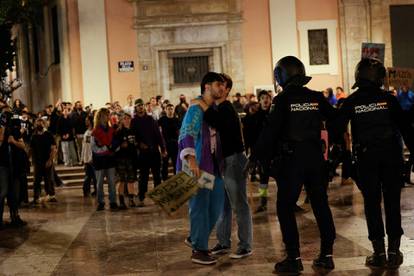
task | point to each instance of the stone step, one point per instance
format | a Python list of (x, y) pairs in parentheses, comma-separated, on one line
[(71, 183), (64, 170), (73, 177), (64, 176)]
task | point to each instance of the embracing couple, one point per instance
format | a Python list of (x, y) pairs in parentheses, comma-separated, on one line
[(211, 141)]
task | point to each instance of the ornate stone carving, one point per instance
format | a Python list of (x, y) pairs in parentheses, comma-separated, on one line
[(168, 26)]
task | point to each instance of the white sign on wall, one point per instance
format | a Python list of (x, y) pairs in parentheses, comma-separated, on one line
[(126, 66), (318, 52)]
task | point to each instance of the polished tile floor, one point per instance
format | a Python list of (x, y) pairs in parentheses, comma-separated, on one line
[(71, 238)]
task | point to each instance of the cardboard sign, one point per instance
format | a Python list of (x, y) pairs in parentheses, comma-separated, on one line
[(174, 192), (397, 77), (373, 50)]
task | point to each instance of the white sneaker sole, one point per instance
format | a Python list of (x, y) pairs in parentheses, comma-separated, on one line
[(236, 256), (188, 243), (197, 261)]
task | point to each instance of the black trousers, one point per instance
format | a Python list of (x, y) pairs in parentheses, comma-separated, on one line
[(13, 195), (172, 150), (339, 154), (23, 193), (304, 166), (380, 175), (46, 174), (150, 160)]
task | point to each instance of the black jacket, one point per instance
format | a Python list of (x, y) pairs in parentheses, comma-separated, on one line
[(226, 120), (377, 119), (296, 117)]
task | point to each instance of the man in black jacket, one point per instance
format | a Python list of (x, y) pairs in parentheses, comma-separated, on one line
[(293, 135), (170, 128), (149, 141), (377, 121), (261, 115), (43, 150)]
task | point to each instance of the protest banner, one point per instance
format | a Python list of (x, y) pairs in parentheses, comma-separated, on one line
[(398, 77), (373, 50), (174, 192)]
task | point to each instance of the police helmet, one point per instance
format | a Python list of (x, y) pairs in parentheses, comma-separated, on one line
[(290, 70), (369, 72)]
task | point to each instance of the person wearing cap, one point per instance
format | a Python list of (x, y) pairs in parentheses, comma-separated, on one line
[(290, 147), (200, 150), (377, 124), (149, 142), (237, 104)]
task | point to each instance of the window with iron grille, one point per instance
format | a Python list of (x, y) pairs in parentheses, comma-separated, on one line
[(189, 68)]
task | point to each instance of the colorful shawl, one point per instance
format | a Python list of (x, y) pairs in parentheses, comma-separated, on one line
[(198, 139)]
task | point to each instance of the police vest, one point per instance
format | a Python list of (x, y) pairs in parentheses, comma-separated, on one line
[(371, 121)]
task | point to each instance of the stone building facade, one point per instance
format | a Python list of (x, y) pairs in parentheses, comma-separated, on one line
[(99, 51)]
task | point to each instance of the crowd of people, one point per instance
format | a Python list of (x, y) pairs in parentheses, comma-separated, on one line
[(214, 135)]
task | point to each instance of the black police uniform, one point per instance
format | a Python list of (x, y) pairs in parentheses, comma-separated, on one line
[(295, 123), (377, 121), (292, 141)]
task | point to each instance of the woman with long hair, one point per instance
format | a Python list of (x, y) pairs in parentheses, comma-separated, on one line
[(126, 162), (103, 157)]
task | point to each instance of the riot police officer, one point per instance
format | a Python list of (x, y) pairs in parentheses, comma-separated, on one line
[(291, 140), (377, 123)]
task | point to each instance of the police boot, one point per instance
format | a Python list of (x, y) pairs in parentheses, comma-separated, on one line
[(325, 259), (289, 265), (395, 257), (15, 219), (324, 262), (378, 258), (263, 205)]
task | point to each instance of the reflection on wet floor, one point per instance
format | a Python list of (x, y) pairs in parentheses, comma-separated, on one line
[(71, 238)]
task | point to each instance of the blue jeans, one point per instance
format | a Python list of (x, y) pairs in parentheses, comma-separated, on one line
[(235, 183), (205, 208), (4, 185), (110, 176)]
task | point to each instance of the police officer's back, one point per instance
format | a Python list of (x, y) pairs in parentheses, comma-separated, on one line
[(294, 130), (377, 123)]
